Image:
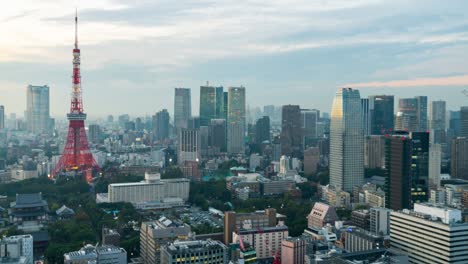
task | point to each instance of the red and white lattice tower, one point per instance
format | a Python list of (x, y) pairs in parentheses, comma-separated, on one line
[(76, 155)]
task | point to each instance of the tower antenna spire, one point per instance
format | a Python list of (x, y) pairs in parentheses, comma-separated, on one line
[(76, 28)]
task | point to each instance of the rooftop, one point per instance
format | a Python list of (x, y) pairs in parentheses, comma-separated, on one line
[(193, 246), (28, 200)]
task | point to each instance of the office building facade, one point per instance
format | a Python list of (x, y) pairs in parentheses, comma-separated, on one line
[(291, 131), (346, 140), (459, 160), (430, 234), (236, 120), (195, 251), (38, 109), (182, 107), (381, 113)]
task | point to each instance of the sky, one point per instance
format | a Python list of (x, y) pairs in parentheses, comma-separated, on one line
[(134, 53)]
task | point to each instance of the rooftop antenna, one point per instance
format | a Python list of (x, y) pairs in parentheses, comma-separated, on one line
[(76, 28)]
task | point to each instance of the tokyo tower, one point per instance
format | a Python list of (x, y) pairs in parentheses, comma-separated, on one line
[(76, 155)]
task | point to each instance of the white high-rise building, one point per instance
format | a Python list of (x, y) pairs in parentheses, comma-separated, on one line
[(346, 140), (236, 120), (430, 234), (435, 161), (189, 145), (37, 109)]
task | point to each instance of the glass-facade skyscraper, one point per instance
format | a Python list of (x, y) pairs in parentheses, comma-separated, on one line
[(182, 107), (207, 104), (346, 140), (381, 114), (236, 120), (37, 109)]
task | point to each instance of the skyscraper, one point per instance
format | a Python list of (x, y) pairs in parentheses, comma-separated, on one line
[(459, 160), (381, 112), (398, 172), (437, 123), (37, 109), (346, 140), (415, 109), (435, 159), (218, 134), (454, 124), (464, 121), (309, 121), (207, 104), (219, 105), (2, 117), (291, 131), (419, 166), (182, 107), (422, 112), (94, 133), (262, 130), (236, 120), (366, 116), (189, 145), (161, 125)]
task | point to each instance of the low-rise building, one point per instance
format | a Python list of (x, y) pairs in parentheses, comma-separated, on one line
[(29, 212), (360, 240), (91, 254), (198, 251), (321, 215), (293, 250), (152, 189)]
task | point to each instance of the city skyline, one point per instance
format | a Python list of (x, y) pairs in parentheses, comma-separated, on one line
[(267, 47)]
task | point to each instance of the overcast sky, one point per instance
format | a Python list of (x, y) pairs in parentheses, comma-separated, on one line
[(284, 52)]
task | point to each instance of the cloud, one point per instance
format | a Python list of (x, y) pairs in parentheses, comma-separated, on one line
[(460, 80)]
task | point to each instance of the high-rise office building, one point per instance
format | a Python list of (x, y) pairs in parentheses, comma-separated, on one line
[(419, 167), (161, 125), (398, 167), (437, 121), (464, 121), (189, 145), (414, 109), (430, 234), (2, 117), (405, 121), (207, 104), (366, 116), (459, 158), (374, 152), (219, 105), (236, 120), (309, 121), (225, 104), (218, 135), (381, 112), (435, 161), (454, 124), (262, 130), (422, 112), (37, 109), (346, 140), (94, 133), (182, 107), (291, 131), (138, 124)]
